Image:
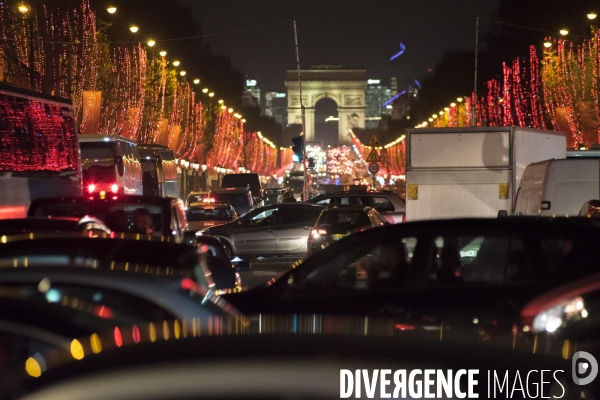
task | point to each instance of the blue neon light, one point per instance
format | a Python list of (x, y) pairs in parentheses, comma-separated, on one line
[(417, 83), (393, 98), (402, 48)]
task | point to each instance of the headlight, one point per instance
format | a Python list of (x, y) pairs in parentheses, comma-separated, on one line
[(553, 318)]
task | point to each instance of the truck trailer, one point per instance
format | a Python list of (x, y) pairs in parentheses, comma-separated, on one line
[(473, 171)]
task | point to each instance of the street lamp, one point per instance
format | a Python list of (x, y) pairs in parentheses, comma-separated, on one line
[(564, 32), (111, 10), (205, 90), (163, 53), (133, 28), (196, 81), (176, 63), (182, 73), (151, 43), (547, 44), (211, 94), (23, 9), (592, 15), (220, 102)]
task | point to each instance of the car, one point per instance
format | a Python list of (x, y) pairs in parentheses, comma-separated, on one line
[(590, 209), (430, 272), (52, 225), (209, 212), (337, 222), (241, 199), (387, 203), (272, 196), (128, 214), (281, 229), (244, 180), (319, 364), (195, 196), (104, 252)]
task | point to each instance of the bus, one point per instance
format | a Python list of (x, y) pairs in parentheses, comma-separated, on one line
[(159, 171), (39, 153), (110, 163)]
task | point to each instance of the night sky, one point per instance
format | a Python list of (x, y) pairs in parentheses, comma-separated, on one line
[(357, 33)]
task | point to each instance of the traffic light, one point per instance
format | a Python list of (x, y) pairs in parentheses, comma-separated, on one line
[(297, 148)]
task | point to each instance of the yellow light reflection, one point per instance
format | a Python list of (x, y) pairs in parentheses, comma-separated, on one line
[(76, 349), (32, 367), (95, 343), (152, 332), (176, 329), (166, 330)]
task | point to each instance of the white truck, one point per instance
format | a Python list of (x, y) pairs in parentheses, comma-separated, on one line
[(471, 172)]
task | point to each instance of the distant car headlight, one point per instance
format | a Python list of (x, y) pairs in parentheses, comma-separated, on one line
[(552, 318)]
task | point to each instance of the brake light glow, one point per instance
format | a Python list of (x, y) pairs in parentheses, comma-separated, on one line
[(316, 233), (209, 200), (91, 188), (114, 188)]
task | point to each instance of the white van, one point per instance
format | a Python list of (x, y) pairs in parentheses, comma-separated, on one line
[(558, 187), (110, 163)]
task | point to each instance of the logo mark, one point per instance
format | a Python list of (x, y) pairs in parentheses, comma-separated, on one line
[(583, 362)]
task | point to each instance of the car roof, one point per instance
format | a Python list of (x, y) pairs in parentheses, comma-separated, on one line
[(347, 208), (119, 199), (138, 253)]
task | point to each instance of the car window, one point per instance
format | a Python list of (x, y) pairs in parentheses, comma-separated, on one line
[(324, 201), (353, 200), (293, 216), (370, 266), (466, 259), (380, 204), (264, 218)]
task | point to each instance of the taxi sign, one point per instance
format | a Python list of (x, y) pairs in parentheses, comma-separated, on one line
[(373, 156), (373, 168)]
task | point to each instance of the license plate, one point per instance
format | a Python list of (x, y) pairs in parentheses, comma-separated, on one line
[(339, 236)]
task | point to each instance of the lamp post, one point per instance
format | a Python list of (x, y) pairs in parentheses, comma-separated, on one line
[(204, 167), (473, 106), (24, 10)]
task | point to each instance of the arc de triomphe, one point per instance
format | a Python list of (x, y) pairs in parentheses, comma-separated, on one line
[(345, 86)]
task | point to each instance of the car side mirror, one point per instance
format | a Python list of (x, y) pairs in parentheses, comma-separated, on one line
[(502, 213), (545, 205)]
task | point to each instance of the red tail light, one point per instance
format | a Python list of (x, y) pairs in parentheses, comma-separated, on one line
[(114, 188), (404, 217), (209, 200), (91, 188)]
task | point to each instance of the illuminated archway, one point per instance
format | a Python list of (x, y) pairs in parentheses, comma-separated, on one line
[(345, 86)]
